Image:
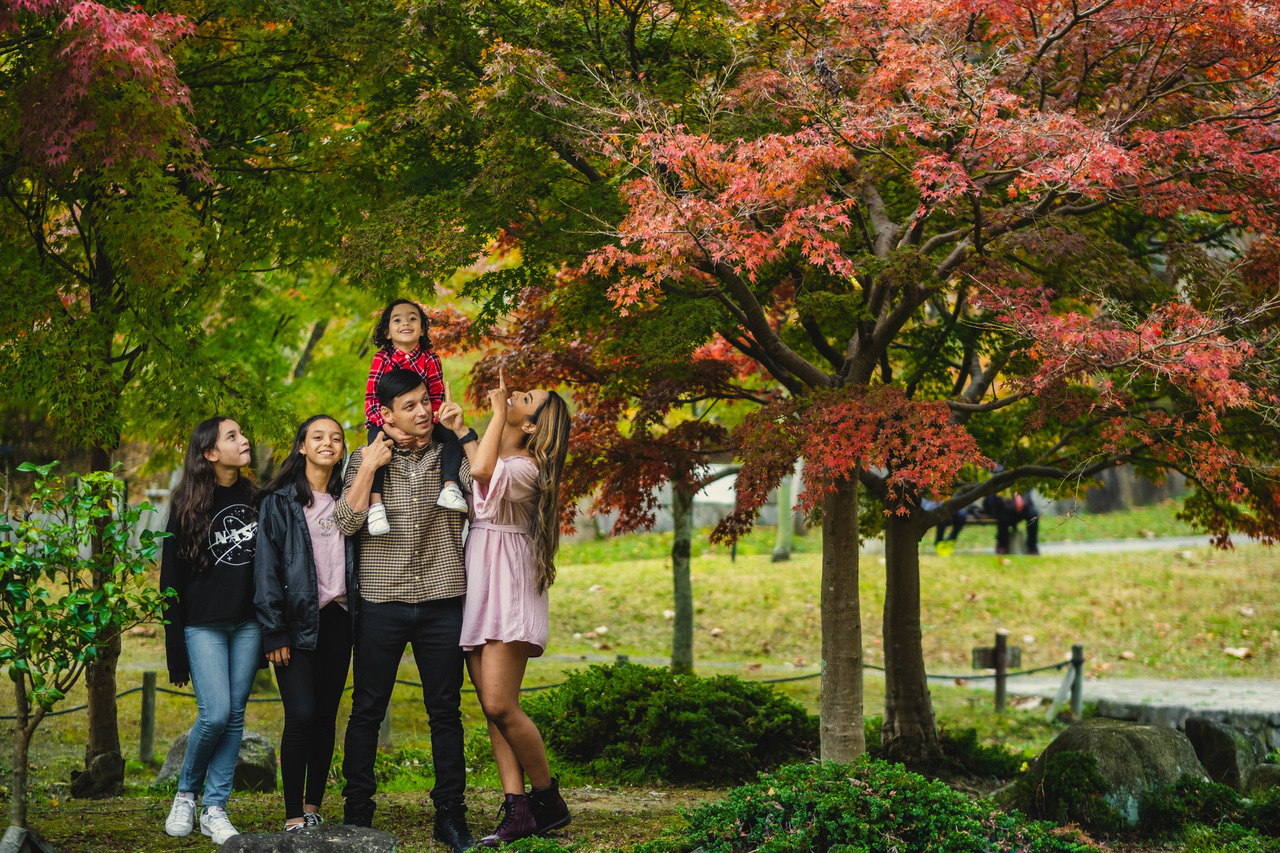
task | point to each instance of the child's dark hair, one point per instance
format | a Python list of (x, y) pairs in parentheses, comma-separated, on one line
[(382, 332), (294, 469)]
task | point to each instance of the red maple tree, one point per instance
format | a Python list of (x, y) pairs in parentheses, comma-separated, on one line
[(959, 232), (639, 424)]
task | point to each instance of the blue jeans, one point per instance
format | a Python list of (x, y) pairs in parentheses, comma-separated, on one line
[(223, 657)]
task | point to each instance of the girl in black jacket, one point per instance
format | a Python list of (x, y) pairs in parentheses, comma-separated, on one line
[(304, 570)]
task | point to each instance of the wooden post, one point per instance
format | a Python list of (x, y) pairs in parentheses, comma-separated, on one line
[(1002, 667), (384, 731), (1077, 681), (147, 719)]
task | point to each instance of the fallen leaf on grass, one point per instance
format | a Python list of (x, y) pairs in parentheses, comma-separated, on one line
[(1240, 652)]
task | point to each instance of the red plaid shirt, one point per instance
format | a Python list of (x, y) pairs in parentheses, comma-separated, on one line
[(423, 362)]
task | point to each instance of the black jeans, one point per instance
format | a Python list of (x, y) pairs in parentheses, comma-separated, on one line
[(450, 458), (311, 689), (1007, 519), (433, 629), (957, 523)]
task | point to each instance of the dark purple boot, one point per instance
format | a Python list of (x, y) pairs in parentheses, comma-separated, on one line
[(517, 821), (549, 808)]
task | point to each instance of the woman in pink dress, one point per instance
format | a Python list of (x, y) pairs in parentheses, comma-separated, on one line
[(514, 533)]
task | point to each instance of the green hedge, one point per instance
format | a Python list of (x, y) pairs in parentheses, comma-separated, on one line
[(869, 806), (638, 724)]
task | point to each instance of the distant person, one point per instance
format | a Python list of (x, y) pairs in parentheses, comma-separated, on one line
[(304, 567), (212, 638), (511, 546), (404, 344), (1008, 512), (943, 544)]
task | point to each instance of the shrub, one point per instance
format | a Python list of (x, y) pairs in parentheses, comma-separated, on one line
[(866, 806), (404, 763), (1190, 800), (963, 750), (1070, 790), (640, 724), (477, 751), (1263, 812)]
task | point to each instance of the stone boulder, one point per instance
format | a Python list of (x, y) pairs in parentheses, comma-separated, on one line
[(104, 777), (1228, 753), (1262, 778), (336, 838), (255, 765), (1132, 759)]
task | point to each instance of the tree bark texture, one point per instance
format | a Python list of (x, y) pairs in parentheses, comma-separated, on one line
[(682, 625), (21, 748), (102, 754), (782, 541), (909, 734), (843, 738)]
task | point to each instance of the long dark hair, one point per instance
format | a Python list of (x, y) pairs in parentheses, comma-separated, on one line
[(294, 469), (548, 444), (193, 498), (382, 331)]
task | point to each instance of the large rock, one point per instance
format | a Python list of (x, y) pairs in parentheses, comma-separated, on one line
[(1132, 759), (1262, 778), (337, 838), (103, 777), (255, 765), (1227, 752)]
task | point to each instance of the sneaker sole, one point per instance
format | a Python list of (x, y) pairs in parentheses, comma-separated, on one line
[(177, 833)]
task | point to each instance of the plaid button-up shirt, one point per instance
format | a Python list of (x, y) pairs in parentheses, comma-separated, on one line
[(421, 558), (423, 362)]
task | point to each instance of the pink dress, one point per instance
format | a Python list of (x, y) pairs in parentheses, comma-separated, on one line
[(503, 602)]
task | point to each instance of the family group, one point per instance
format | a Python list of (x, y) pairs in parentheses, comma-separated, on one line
[(321, 563)]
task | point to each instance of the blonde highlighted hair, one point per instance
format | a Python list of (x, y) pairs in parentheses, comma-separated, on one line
[(548, 445)]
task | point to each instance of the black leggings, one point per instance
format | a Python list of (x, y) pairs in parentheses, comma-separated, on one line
[(450, 457), (311, 689)]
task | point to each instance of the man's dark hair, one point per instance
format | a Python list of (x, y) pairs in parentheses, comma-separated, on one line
[(396, 382)]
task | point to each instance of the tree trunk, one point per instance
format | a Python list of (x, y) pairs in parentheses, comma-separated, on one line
[(682, 626), (103, 773), (782, 541), (21, 747), (909, 734), (843, 738)]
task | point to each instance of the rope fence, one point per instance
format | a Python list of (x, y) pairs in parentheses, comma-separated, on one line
[(1000, 675)]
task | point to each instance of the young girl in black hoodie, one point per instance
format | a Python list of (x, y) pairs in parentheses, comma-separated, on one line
[(212, 637)]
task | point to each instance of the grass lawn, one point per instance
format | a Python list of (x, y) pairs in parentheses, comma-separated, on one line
[(1163, 614)]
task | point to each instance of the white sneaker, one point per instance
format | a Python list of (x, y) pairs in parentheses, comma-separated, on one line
[(215, 824), (377, 520), (451, 498), (181, 815)]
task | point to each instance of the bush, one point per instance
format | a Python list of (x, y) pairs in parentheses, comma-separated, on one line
[(1190, 800), (866, 806), (962, 749), (1071, 791), (405, 763), (643, 724)]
